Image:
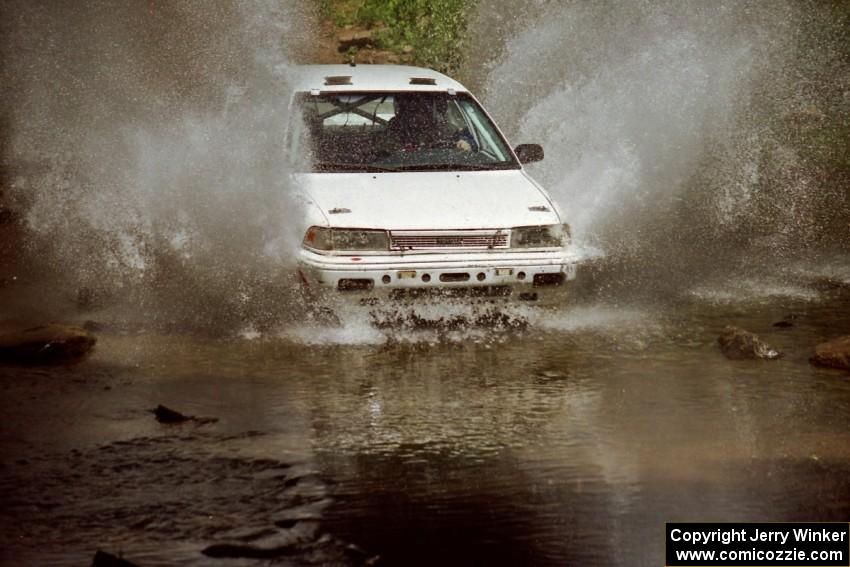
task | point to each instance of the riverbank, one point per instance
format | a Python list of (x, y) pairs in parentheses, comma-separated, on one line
[(428, 34)]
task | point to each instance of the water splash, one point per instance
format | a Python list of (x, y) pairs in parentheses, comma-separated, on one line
[(598, 317), (439, 322), (685, 139), (147, 147), (751, 290), (689, 141)]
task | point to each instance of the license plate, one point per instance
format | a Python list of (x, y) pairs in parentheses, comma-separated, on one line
[(504, 271), (409, 274)]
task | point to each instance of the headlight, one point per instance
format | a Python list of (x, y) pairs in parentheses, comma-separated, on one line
[(553, 236), (345, 239)]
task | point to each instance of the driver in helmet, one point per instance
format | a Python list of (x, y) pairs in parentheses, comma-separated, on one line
[(420, 122)]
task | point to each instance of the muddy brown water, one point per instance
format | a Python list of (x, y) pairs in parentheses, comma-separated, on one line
[(568, 442)]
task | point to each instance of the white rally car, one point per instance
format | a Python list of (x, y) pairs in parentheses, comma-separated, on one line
[(409, 189)]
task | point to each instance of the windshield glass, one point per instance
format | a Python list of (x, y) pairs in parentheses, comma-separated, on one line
[(403, 131)]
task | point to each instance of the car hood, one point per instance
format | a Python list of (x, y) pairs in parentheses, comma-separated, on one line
[(428, 200)]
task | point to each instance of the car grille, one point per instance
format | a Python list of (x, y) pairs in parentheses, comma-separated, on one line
[(461, 239)]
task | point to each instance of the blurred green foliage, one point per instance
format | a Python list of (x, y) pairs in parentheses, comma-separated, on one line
[(429, 33), (341, 12)]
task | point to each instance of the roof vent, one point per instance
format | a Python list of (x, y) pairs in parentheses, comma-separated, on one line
[(338, 80), (423, 81)]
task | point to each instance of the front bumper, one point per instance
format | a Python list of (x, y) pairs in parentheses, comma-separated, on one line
[(523, 275)]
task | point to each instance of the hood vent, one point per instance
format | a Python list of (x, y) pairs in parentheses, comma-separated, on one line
[(423, 81), (336, 80)]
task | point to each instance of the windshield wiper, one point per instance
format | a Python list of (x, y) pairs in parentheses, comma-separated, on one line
[(347, 167), (456, 167)]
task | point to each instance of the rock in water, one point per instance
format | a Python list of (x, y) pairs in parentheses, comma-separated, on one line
[(736, 343), (167, 415), (787, 321), (49, 343), (235, 551), (103, 559), (833, 354)]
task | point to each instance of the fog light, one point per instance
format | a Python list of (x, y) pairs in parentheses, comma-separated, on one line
[(548, 279), (386, 279), (520, 275), (426, 278), (481, 277)]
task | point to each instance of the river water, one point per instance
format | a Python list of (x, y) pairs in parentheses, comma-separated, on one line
[(569, 442)]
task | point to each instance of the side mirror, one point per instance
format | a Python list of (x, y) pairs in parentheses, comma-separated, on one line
[(528, 153)]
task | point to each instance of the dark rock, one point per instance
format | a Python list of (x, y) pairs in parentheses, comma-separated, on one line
[(49, 343), (286, 524), (103, 559), (787, 321), (736, 343), (229, 550), (833, 354), (167, 415)]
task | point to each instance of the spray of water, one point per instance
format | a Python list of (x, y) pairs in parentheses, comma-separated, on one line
[(146, 146), (688, 140)]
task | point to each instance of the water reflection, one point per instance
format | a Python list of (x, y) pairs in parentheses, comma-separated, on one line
[(571, 441)]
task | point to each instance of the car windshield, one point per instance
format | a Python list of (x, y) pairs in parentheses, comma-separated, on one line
[(397, 131)]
